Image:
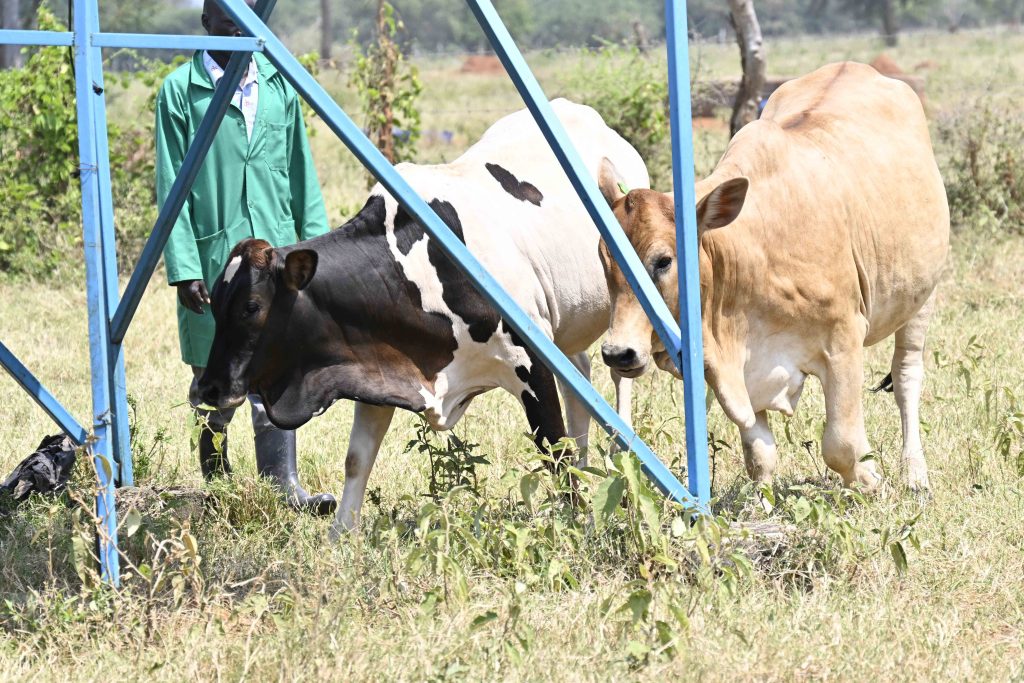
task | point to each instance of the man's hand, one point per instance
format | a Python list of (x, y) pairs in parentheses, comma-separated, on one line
[(192, 294)]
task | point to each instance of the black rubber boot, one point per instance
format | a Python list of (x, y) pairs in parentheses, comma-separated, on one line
[(213, 456), (275, 460)]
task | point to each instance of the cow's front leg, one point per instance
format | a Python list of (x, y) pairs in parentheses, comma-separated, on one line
[(760, 454), (907, 380), (369, 425), (577, 417), (844, 442)]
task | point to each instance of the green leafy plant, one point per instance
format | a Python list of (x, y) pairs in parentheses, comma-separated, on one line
[(984, 173), (452, 461), (388, 87), (630, 91)]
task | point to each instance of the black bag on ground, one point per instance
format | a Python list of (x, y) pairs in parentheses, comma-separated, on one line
[(45, 471)]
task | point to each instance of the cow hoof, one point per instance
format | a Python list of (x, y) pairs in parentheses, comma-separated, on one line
[(917, 476), (867, 476)]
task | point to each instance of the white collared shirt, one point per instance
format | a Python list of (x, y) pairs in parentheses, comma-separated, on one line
[(246, 95)]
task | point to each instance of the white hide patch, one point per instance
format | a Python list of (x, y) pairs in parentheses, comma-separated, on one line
[(232, 268), (476, 366)]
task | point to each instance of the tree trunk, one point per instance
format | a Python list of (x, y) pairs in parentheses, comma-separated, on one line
[(10, 55), (752, 57), (890, 27), (640, 36), (326, 29)]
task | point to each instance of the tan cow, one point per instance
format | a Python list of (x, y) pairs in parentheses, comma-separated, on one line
[(823, 229)]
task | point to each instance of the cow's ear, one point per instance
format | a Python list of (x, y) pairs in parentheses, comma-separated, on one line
[(722, 205), (608, 179), (299, 268)]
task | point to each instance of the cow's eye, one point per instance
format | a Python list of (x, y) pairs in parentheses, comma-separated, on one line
[(251, 307), (662, 264)]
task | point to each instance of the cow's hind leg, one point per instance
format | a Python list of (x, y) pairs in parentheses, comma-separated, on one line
[(907, 380), (844, 442), (369, 425), (543, 409), (577, 417)]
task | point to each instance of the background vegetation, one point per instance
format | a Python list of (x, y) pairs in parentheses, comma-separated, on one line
[(470, 566)]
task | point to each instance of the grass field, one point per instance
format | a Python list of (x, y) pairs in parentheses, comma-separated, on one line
[(508, 583)]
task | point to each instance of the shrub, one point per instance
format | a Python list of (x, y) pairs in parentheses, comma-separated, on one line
[(630, 91), (39, 196), (984, 172)]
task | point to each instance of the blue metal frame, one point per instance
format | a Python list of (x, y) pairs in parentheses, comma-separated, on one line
[(68, 424), (691, 353), (110, 316)]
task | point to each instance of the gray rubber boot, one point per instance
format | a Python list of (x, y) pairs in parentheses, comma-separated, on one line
[(275, 460)]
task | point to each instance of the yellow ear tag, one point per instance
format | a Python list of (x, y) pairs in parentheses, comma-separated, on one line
[(622, 188)]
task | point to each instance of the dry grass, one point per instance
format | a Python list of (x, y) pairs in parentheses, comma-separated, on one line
[(271, 599)]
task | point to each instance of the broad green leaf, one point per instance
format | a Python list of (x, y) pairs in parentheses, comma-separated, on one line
[(607, 499)]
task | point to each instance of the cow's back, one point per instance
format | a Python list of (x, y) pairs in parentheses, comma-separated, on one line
[(522, 219), (841, 164)]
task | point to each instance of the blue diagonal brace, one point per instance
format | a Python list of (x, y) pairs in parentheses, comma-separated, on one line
[(190, 166), (489, 288), (554, 132), (68, 424)]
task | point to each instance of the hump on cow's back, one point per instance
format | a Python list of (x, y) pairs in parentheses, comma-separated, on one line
[(844, 90)]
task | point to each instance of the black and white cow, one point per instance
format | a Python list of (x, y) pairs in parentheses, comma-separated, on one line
[(375, 312)]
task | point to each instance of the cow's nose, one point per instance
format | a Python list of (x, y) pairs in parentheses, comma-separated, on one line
[(619, 357), (209, 394)]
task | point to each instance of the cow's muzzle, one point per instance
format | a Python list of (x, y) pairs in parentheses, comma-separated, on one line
[(625, 360), (211, 393)]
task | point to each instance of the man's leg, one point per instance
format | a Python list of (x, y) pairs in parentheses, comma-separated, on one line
[(213, 433), (276, 460)]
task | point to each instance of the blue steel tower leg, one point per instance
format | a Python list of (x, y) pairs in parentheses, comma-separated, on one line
[(698, 477), (85, 12), (119, 418)]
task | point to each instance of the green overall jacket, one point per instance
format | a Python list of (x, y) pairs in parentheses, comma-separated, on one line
[(265, 188)]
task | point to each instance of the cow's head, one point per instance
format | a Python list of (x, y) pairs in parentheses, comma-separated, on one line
[(648, 219), (253, 301)]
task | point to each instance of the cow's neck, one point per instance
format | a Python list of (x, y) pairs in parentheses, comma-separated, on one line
[(730, 259)]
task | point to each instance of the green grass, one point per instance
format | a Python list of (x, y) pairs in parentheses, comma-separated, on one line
[(491, 588)]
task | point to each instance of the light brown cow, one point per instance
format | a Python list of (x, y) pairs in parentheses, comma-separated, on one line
[(823, 229)]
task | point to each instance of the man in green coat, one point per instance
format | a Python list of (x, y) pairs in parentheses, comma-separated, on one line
[(258, 180)]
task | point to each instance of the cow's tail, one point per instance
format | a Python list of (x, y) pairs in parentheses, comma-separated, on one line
[(884, 385)]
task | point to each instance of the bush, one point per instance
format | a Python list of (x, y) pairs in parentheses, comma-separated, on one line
[(630, 91), (40, 195), (984, 172)]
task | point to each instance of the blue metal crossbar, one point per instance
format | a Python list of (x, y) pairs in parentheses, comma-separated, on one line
[(157, 41), (109, 316), (42, 396), (40, 38)]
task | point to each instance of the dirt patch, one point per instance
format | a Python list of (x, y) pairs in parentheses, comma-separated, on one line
[(885, 65), (711, 124), (482, 64)]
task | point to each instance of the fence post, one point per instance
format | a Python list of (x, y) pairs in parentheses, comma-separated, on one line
[(85, 18)]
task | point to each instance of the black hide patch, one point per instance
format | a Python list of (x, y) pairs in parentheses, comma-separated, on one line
[(543, 408), (456, 289), (357, 331), (520, 189)]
